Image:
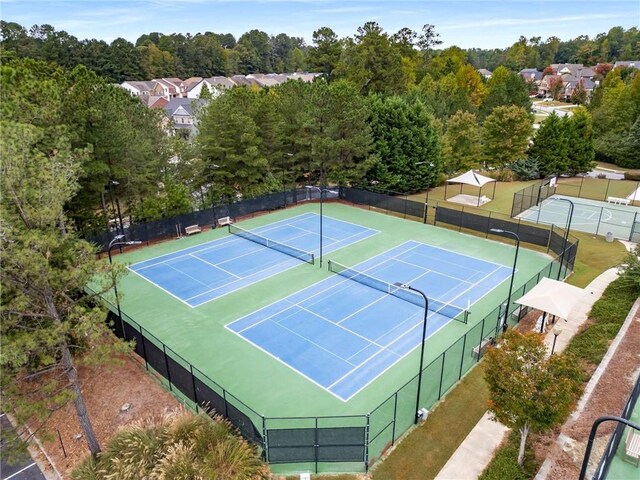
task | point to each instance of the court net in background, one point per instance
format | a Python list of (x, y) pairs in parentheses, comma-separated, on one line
[(405, 294), (281, 247)]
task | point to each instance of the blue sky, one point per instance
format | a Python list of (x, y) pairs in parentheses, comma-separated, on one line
[(470, 23)]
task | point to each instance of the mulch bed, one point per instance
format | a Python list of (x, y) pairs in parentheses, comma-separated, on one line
[(106, 388)]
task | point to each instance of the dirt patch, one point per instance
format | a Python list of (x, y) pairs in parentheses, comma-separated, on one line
[(106, 389), (608, 398)]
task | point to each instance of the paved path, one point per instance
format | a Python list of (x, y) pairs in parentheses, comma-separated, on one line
[(476, 451)]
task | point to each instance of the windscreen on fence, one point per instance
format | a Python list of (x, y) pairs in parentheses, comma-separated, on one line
[(337, 444), (174, 226)]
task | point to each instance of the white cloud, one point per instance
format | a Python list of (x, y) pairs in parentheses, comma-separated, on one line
[(509, 22)]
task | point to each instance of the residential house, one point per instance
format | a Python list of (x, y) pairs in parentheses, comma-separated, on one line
[(169, 88), (180, 112), (485, 73)]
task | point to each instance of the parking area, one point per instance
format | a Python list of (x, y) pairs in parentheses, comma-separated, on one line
[(22, 469)]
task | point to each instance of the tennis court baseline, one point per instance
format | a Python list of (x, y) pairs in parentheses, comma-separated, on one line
[(199, 274), (343, 332), (591, 216)]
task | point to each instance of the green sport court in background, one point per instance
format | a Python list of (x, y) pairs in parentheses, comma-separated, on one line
[(260, 380)]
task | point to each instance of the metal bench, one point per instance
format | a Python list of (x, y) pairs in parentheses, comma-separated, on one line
[(191, 229), (479, 349), (632, 447), (225, 221), (618, 200)]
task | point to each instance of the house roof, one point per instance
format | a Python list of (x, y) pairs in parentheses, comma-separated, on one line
[(141, 86), (220, 82), (182, 106), (530, 73)]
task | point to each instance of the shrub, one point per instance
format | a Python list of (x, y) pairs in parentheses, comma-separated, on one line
[(632, 175), (179, 445)]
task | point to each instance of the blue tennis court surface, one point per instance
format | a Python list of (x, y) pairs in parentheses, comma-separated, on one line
[(202, 273), (341, 334)]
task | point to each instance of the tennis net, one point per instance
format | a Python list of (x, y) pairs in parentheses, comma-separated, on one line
[(446, 309), (267, 242)]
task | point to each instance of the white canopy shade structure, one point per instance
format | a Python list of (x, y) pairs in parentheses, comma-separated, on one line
[(474, 179), (552, 296)]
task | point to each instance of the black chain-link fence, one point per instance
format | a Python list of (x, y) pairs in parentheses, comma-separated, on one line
[(174, 227), (354, 441)]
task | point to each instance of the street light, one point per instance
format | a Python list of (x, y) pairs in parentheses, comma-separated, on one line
[(566, 234), (117, 243), (513, 272), (556, 331), (424, 335), (322, 192), (592, 436)]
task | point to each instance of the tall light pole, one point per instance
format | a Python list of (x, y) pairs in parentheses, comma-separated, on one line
[(322, 192), (566, 234), (513, 272), (284, 187), (117, 243), (422, 344)]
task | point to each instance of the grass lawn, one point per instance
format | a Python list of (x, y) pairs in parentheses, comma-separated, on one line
[(422, 454), (501, 203)]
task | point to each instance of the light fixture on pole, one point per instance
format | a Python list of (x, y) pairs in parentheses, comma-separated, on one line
[(322, 192), (556, 331), (513, 272), (566, 234), (422, 344), (117, 243)]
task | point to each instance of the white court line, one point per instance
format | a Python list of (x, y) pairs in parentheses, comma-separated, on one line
[(187, 275), (20, 471), (286, 364), (333, 354), (338, 325), (437, 271), (215, 266)]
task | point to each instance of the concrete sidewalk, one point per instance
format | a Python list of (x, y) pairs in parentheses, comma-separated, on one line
[(477, 449)]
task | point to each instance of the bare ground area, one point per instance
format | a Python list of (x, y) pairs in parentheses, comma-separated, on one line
[(608, 398), (106, 389)]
